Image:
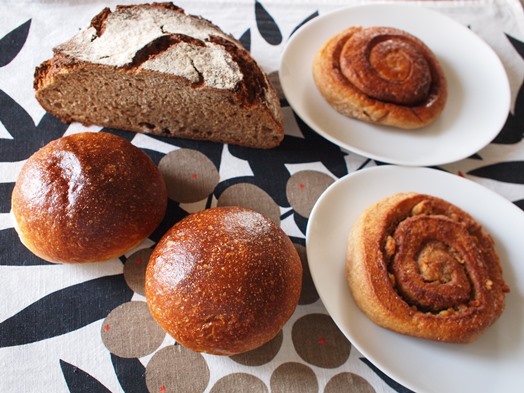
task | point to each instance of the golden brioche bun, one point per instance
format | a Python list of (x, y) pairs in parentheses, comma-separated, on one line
[(224, 280), (87, 197)]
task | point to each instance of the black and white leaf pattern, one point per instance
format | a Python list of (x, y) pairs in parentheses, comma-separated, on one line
[(79, 381), (311, 148), (27, 138), (509, 172), (5, 203), (130, 374), (310, 17), (212, 150), (392, 383), (65, 310), (13, 253), (245, 40), (520, 203), (267, 26), (513, 129), (12, 43), (173, 214)]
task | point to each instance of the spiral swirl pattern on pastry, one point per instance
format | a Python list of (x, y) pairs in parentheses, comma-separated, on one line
[(418, 265), (381, 75)]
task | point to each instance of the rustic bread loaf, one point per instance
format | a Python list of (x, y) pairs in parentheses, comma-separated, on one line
[(87, 197), (224, 280), (152, 68)]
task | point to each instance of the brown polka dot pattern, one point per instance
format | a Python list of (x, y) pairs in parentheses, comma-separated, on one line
[(309, 293), (129, 331), (239, 383), (189, 175), (177, 369), (304, 188), (294, 377), (252, 197), (261, 355), (348, 382), (135, 270), (319, 342)]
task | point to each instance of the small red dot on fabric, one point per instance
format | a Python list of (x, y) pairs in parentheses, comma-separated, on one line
[(321, 340), (138, 261), (301, 186), (106, 328), (162, 388), (194, 176)]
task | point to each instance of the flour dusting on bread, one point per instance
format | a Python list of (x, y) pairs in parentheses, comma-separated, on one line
[(128, 31)]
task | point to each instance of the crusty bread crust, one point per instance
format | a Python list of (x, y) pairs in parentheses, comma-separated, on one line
[(369, 89), (421, 266), (178, 75), (87, 197), (224, 280)]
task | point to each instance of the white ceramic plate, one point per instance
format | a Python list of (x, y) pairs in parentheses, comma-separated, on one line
[(494, 362), (479, 92)]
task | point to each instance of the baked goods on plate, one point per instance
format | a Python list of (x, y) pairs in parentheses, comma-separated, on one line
[(418, 265), (224, 280), (153, 68), (381, 75), (492, 355), (470, 119), (87, 197)]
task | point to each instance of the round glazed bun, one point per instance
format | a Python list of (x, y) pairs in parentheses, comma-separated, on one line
[(87, 197), (224, 280)]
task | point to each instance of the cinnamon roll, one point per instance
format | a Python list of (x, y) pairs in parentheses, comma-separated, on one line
[(419, 265), (381, 75)]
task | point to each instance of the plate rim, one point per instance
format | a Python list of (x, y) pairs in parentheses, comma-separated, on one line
[(431, 161)]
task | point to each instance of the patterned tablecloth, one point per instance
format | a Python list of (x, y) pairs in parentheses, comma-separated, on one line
[(87, 328)]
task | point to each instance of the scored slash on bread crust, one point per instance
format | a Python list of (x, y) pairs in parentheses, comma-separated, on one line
[(153, 68)]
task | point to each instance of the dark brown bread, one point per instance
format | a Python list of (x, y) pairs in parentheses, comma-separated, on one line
[(87, 197), (151, 68), (224, 280)]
